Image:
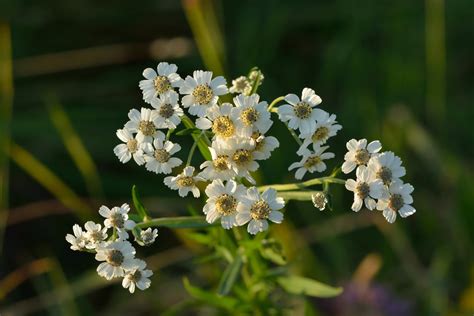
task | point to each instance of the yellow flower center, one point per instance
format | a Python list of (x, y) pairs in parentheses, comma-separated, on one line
[(302, 110), (221, 163), (147, 128), (396, 202), (363, 190), (242, 157), (162, 84), (260, 210), (115, 258), (223, 126), (320, 134), (185, 181), (362, 156), (161, 155), (226, 204), (203, 94), (312, 161), (384, 174), (132, 145), (249, 116), (166, 110)]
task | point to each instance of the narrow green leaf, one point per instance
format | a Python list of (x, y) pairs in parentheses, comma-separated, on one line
[(272, 250), (229, 276), (203, 147), (304, 286), (210, 298), (177, 222), (141, 210)]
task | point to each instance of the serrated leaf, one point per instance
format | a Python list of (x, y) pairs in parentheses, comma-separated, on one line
[(210, 298), (305, 286), (141, 210), (230, 276)]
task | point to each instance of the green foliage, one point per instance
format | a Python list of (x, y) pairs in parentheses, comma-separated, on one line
[(141, 210), (304, 286)]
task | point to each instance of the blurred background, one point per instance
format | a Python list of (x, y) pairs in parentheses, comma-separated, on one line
[(398, 71)]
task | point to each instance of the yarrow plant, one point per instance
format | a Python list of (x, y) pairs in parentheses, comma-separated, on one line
[(230, 127)]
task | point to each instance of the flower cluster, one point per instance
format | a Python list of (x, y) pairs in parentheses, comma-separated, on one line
[(115, 252), (378, 178), (316, 126), (235, 133), (230, 127)]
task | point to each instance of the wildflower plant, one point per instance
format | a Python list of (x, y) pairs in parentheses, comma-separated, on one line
[(231, 129)]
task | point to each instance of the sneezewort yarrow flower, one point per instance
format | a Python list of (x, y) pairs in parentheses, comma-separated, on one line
[(398, 200), (137, 277), (359, 153), (117, 256), (222, 202), (257, 209), (201, 92), (131, 147), (161, 159), (311, 161), (366, 189), (185, 182), (168, 111), (302, 113), (159, 82)]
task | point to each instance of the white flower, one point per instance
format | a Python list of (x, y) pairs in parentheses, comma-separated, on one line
[(160, 160), (319, 200), (168, 110), (359, 153), (159, 83), (398, 200), (95, 234), (241, 85), (221, 120), (141, 122), (131, 147), (202, 92), (311, 161), (117, 217), (264, 145), (253, 116), (219, 167), (365, 189), (79, 240), (184, 182), (302, 114), (387, 167), (326, 127), (147, 237), (256, 209), (118, 255), (138, 277), (222, 202), (241, 156)]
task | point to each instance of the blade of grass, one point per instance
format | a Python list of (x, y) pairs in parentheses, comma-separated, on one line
[(58, 279), (435, 60), (6, 101), (23, 273), (75, 147), (204, 27), (49, 180)]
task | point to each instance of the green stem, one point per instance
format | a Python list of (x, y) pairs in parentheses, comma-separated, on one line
[(168, 134), (177, 222), (302, 185), (193, 148), (295, 137), (274, 102), (256, 84)]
